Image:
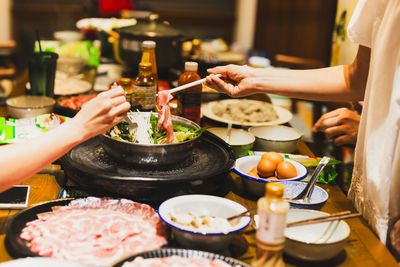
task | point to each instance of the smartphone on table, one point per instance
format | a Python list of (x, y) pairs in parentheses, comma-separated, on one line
[(15, 198)]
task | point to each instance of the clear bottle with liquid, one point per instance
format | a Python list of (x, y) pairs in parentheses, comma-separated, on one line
[(144, 89), (126, 84), (272, 210), (189, 100)]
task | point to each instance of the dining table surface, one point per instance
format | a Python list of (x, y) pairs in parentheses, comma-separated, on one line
[(363, 248)]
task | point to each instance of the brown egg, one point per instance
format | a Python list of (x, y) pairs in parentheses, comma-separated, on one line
[(272, 178), (266, 168), (286, 170), (274, 156), (253, 174)]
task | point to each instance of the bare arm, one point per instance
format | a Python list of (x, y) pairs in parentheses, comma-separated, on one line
[(20, 161), (340, 83)]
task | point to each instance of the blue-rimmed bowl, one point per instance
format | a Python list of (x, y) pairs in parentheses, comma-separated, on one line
[(256, 186), (203, 205), (318, 196)]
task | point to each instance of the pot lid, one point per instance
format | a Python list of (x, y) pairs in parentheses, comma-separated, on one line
[(151, 28)]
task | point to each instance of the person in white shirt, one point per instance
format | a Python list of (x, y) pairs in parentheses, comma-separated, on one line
[(22, 160), (374, 77)]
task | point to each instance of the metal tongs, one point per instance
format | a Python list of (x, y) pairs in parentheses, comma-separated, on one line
[(304, 195)]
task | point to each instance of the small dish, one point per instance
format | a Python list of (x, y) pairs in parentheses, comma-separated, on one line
[(276, 138), (256, 186), (184, 253), (314, 242), (240, 140), (203, 205), (26, 106)]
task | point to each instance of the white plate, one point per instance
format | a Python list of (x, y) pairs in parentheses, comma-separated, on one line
[(284, 115), (71, 86)]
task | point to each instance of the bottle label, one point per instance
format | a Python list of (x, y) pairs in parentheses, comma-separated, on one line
[(271, 227), (144, 96)]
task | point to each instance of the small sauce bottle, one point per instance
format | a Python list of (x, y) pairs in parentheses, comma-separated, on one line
[(144, 89), (189, 100), (149, 53), (126, 84), (272, 210)]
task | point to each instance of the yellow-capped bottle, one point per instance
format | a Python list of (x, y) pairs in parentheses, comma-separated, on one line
[(144, 89), (272, 210), (149, 54)]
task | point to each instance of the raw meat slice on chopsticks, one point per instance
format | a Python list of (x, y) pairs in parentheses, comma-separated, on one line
[(164, 114)]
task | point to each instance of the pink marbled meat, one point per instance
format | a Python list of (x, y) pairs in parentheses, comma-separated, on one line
[(164, 114), (95, 231)]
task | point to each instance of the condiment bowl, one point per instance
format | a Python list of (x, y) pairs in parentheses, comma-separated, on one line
[(314, 242), (29, 106), (318, 196), (256, 186), (203, 205), (240, 140), (276, 138)]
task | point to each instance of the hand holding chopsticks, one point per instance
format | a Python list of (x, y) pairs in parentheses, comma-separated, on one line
[(188, 85)]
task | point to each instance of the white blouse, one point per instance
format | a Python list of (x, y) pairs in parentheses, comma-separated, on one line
[(375, 188)]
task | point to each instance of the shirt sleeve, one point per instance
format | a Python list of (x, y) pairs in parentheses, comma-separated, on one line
[(361, 23)]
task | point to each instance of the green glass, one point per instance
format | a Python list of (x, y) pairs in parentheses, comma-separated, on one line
[(42, 72)]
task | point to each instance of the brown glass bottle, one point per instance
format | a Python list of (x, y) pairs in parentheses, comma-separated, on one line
[(189, 100), (149, 54), (144, 89)]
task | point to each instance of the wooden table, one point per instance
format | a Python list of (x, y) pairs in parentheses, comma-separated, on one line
[(362, 249)]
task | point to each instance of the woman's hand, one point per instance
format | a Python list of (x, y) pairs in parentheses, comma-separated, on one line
[(100, 114), (235, 81), (340, 124)]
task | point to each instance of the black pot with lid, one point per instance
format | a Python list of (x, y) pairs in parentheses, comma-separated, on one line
[(168, 43)]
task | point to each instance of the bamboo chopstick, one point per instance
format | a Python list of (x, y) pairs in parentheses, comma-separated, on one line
[(328, 218), (249, 211)]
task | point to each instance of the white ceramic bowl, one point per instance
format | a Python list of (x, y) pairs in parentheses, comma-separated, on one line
[(29, 106), (203, 205), (240, 140), (276, 138), (256, 186), (314, 242)]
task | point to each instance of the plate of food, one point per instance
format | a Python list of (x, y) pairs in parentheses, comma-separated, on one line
[(246, 112), (89, 231)]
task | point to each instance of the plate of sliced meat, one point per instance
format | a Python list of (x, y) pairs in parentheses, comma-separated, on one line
[(70, 105), (179, 257), (90, 231)]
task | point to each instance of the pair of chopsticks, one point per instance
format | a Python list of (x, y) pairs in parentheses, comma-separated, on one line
[(332, 217), (188, 85)]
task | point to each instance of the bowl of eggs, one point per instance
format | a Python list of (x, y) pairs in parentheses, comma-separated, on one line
[(256, 170)]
